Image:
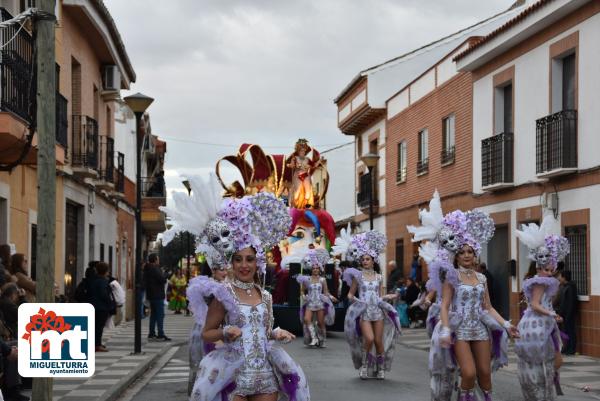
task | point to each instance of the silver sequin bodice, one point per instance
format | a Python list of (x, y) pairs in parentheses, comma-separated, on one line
[(313, 297), (468, 303), (369, 293)]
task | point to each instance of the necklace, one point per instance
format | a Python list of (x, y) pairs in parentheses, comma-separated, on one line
[(243, 286), (466, 271)]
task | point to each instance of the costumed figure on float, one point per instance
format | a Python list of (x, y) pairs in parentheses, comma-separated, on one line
[(370, 320), (302, 167), (475, 333), (248, 365), (317, 309), (538, 347)]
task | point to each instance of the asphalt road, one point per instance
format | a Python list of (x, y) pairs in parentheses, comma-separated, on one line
[(331, 377)]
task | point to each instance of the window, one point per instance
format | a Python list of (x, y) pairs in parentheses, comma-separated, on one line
[(564, 82), (102, 252), (576, 260), (373, 145), (110, 256), (568, 82), (92, 242), (504, 108), (423, 162), (401, 170), (448, 124)]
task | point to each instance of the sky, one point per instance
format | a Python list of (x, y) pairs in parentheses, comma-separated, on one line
[(225, 72)]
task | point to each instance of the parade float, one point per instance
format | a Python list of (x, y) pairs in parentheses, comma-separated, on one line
[(301, 180)]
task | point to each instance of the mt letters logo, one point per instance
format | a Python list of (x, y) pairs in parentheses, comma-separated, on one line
[(56, 340)]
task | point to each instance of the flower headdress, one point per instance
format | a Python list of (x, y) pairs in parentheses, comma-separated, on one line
[(472, 228), (546, 248), (315, 257), (370, 243)]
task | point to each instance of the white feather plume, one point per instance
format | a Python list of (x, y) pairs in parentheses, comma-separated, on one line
[(533, 236), (342, 243), (428, 251), (192, 213), (431, 221)]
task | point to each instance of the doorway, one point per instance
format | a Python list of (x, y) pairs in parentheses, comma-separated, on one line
[(71, 249), (497, 258)]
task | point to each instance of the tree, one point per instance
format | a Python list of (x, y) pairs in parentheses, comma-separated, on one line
[(177, 249)]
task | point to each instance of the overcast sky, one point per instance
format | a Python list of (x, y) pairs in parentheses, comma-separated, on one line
[(266, 71)]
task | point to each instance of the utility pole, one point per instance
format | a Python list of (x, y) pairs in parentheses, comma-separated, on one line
[(46, 168)]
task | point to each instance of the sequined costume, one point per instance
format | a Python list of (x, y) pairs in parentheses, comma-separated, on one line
[(315, 300), (468, 303), (252, 364), (538, 343), (369, 306)]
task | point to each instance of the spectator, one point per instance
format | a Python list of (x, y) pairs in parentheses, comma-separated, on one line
[(99, 297), (414, 267), (412, 292), (568, 309), (154, 281), (118, 297), (178, 284), (394, 275), (9, 301), (18, 268), (482, 268), (10, 388)]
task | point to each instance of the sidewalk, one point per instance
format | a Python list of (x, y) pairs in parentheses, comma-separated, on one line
[(117, 369), (578, 371)]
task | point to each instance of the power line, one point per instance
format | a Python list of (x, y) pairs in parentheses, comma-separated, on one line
[(223, 145)]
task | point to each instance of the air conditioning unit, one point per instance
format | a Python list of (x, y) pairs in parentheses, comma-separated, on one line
[(111, 78)]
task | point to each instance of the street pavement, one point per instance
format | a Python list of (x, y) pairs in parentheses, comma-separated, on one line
[(331, 376)]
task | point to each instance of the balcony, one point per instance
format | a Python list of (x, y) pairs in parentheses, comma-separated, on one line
[(119, 189), (107, 164), (85, 143), (497, 161), (423, 166), (556, 144), (447, 156), (362, 197), (153, 196)]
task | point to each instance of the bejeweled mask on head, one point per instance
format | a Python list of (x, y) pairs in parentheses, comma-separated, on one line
[(219, 235), (542, 256), (352, 253), (449, 240)]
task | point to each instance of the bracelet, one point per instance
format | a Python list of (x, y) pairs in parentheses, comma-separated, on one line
[(226, 335), (507, 325), (445, 332)]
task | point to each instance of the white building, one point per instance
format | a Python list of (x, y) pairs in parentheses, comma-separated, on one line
[(535, 137)]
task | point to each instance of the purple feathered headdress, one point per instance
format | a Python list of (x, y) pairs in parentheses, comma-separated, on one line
[(315, 257), (370, 243), (545, 247), (472, 228)]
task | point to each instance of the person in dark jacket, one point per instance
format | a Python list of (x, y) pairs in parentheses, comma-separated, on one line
[(99, 297), (154, 282), (9, 307), (395, 273), (568, 309)]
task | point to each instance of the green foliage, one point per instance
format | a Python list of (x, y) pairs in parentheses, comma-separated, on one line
[(182, 245)]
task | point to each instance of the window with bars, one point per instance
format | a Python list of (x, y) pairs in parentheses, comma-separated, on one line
[(576, 261), (448, 124), (401, 170), (423, 162), (400, 254)]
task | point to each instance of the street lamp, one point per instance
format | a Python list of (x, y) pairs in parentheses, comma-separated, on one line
[(138, 103), (370, 160), (187, 185)]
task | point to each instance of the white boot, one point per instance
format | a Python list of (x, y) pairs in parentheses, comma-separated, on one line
[(363, 371), (314, 340), (322, 334), (380, 367)]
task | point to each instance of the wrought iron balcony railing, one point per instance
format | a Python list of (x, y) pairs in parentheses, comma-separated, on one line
[(447, 155), (16, 65), (423, 166), (153, 187), (497, 160), (85, 142), (556, 142), (365, 188), (107, 159), (62, 123)]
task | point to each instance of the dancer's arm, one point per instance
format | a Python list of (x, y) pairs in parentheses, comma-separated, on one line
[(536, 298), (445, 332), (352, 290), (326, 291), (214, 319)]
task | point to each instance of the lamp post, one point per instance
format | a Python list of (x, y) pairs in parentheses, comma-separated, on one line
[(138, 103), (187, 185), (370, 160)]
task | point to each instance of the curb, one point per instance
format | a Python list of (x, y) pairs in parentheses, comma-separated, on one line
[(116, 390)]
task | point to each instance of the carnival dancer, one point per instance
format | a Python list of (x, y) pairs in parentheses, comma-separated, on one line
[(538, 349), (248, 366), (442, 364), (317, 302), (467, 319), (198, 348), (370, 320)]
